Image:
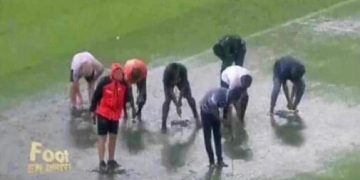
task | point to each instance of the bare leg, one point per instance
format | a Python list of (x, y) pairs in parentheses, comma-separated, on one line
[(101, 147), (112, 145)]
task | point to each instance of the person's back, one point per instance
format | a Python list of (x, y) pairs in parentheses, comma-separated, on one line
[(289, 68), (84, 58), (230, 49), (135, 70), (213, 99), (174, 73), (232, 75)]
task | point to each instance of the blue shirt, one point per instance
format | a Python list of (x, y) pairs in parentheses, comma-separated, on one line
[(213, 100), (288, 68)]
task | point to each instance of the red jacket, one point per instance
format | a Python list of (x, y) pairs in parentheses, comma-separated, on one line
[(110, 96)]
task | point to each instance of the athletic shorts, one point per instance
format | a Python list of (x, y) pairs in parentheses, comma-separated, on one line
[(105, 126), (87, 78)]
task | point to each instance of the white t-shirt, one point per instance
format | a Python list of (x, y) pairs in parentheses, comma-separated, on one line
[(232, 75), (80, 59)]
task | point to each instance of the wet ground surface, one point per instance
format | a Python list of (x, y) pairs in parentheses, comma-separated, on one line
[(268, 148)]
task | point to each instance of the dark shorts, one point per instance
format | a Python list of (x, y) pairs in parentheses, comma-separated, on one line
[(105, 126), (87, 78)]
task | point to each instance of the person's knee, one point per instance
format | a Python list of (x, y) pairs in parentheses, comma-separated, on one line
[(167, 102), (190, 99), (102, 140), (112, 137)]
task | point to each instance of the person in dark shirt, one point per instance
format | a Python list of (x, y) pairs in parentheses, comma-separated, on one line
[(175, 74), (230, 49), (286, 69), (210, 105)]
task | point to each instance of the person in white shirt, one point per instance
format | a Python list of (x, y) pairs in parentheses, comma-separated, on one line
[(237, 80), (83, 64)]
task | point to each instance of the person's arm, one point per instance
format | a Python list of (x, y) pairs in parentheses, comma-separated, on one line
[(99, 70), (184, 83), (287, 94), (275, 94), (98, 94), (75, 93), (141, 87), (91, 89), (300, 89), (129, 99), (292, 94)]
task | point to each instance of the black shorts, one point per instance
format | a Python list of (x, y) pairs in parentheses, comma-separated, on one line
[(105, 126), (87, 78)]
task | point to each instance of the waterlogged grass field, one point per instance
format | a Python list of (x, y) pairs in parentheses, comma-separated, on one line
[(39, 37)]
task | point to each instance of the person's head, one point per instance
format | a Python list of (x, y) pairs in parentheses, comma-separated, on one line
[(136, 74), (297, 72), (246, 81), (87, 69), (117, 72)]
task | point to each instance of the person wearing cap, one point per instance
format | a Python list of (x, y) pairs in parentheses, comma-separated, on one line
[(175, 74), (106, 109), (135, 71), (237, 79), (210, 106), (285, 69), (83, 65), (231, 49)]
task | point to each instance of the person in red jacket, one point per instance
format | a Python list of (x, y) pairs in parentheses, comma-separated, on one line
[(107, 105), (135, 71)]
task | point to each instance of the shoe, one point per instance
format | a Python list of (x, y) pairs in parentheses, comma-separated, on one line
[(221, 164), (139, 117), (211, 166), (102, 166), (163, 129), (112, 164)]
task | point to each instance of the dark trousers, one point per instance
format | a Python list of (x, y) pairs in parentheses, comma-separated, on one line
[(212, 125)]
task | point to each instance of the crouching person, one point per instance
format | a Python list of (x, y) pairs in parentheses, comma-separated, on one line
[(214, 100)]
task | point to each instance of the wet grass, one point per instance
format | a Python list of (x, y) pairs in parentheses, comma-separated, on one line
[(331, 58), (38, 38), (346, 168)]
